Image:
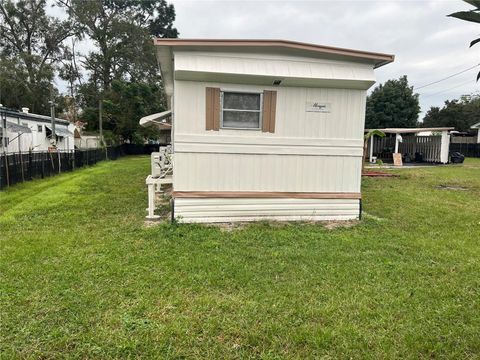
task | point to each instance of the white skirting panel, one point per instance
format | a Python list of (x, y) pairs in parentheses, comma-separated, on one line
[(209, 210)]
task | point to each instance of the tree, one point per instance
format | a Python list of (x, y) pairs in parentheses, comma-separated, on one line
[(128, 102), (122, 32), (472, 16), (31, 44), (392, 104), (460, 113)]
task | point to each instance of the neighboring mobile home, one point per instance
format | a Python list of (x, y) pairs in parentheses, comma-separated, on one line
[(26, 131), (266, 129)]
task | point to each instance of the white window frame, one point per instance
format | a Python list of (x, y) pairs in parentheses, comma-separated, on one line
[(260, 111)]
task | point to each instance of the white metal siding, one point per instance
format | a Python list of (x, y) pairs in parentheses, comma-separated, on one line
[(226, 210), (308, 152), (345, 121), (189, 65), (197, 171)]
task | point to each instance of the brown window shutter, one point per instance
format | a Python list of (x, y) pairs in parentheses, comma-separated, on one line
[(212, 120), (269, 108)]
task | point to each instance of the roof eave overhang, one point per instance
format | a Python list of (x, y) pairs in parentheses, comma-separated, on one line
[(165, 64), (377, 59)]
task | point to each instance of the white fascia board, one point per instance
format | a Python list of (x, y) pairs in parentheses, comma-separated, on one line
[(165, 63)]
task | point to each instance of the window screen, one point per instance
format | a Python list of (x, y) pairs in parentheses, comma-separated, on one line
[(241, 110)]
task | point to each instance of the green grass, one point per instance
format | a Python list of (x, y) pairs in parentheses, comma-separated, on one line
[(82, 277)]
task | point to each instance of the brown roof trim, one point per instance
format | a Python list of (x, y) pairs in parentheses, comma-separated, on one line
[(379, 58)]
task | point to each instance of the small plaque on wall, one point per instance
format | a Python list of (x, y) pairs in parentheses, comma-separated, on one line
[(317, 106)]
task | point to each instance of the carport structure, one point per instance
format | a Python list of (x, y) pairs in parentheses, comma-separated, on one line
[(428, 144)]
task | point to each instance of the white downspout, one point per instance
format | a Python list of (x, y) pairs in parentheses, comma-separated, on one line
[(371, 148), (397, 140)]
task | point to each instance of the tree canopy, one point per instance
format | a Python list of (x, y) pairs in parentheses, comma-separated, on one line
[(460, 113), (31, 45), (392, 104), (37, 48)]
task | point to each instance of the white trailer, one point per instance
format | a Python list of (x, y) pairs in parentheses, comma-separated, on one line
[(265, 129)]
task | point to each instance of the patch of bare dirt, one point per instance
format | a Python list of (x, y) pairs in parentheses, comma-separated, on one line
[(332, 225), (452, 187), (378, 174)]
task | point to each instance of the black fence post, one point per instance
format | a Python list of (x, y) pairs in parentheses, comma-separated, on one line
[(30, 164)]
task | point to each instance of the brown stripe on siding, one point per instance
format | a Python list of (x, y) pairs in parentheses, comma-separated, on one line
[(266, 194)]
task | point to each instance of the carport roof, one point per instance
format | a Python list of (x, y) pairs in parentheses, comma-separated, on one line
[(411, 130)]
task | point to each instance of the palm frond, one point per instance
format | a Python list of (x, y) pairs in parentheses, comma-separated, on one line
[(471, 16)]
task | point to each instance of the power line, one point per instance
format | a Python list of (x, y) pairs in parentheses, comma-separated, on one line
[(446, 78), (452, 88)]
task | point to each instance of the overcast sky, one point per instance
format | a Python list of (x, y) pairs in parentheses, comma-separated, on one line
[(427, 45)]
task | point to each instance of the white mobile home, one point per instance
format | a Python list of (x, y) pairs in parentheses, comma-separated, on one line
[(26, 131), (266, 129)]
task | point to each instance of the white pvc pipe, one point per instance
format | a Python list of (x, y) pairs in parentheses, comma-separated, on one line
[(397, 140), (371, 148)]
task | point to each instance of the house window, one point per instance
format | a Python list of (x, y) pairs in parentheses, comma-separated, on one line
[(39, 128), (241, 110)]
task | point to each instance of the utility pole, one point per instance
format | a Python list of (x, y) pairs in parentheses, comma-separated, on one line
[(100, 124), (4, 130), (3, 118), (100, 117), (53, 138)]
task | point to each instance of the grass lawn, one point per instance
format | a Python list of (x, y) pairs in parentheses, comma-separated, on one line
[(82, 277)]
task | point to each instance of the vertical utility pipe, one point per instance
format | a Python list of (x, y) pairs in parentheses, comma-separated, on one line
[(3, 120), (54, 137), (19, 140)]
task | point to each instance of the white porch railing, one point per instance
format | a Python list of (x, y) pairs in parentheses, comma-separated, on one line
[(162, 169)]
